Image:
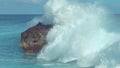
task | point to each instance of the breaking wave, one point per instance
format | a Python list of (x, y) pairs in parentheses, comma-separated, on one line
[(79, 34)]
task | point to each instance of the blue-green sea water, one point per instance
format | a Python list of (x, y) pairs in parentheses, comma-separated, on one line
[(84, 35), (11, 55)]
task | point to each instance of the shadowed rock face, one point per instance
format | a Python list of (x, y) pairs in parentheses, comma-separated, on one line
[(33, 39)]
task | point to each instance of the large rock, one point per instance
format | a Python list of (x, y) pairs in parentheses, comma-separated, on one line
[(33, 39)]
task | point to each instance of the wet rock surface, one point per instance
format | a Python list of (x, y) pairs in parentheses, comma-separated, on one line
[(33, 39)]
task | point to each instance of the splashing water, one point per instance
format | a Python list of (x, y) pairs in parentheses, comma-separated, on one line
[(78, 33)]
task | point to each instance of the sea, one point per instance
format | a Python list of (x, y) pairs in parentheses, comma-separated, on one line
[(11, 54), (11, 27), (83, 36)]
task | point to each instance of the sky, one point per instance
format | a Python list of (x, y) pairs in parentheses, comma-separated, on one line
[(36, 6)]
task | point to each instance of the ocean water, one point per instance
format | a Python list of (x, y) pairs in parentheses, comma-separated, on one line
[(11, 26), (12, 56), (84, 35)]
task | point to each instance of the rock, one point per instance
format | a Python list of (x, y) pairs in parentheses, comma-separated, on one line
[(33, 39)]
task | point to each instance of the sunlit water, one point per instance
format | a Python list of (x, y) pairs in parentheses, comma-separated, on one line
[(84, 33), (12, 56), (59, 52)]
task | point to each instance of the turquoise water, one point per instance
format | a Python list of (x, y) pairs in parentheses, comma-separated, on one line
[(12, 56), (84, 35)]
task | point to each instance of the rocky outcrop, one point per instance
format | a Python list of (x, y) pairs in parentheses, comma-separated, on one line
[(33, 39)]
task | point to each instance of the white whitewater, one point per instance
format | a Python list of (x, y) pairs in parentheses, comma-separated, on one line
[(78, 32)]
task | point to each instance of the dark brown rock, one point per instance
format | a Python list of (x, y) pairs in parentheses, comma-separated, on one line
[(33, 39)]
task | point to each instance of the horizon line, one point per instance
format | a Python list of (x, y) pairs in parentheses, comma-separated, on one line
[(21, 14)]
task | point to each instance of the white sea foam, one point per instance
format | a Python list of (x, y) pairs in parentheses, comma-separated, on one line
[(78, 33), (34, 21)]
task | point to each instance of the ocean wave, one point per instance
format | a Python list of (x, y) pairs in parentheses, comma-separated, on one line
[(78, 34)]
